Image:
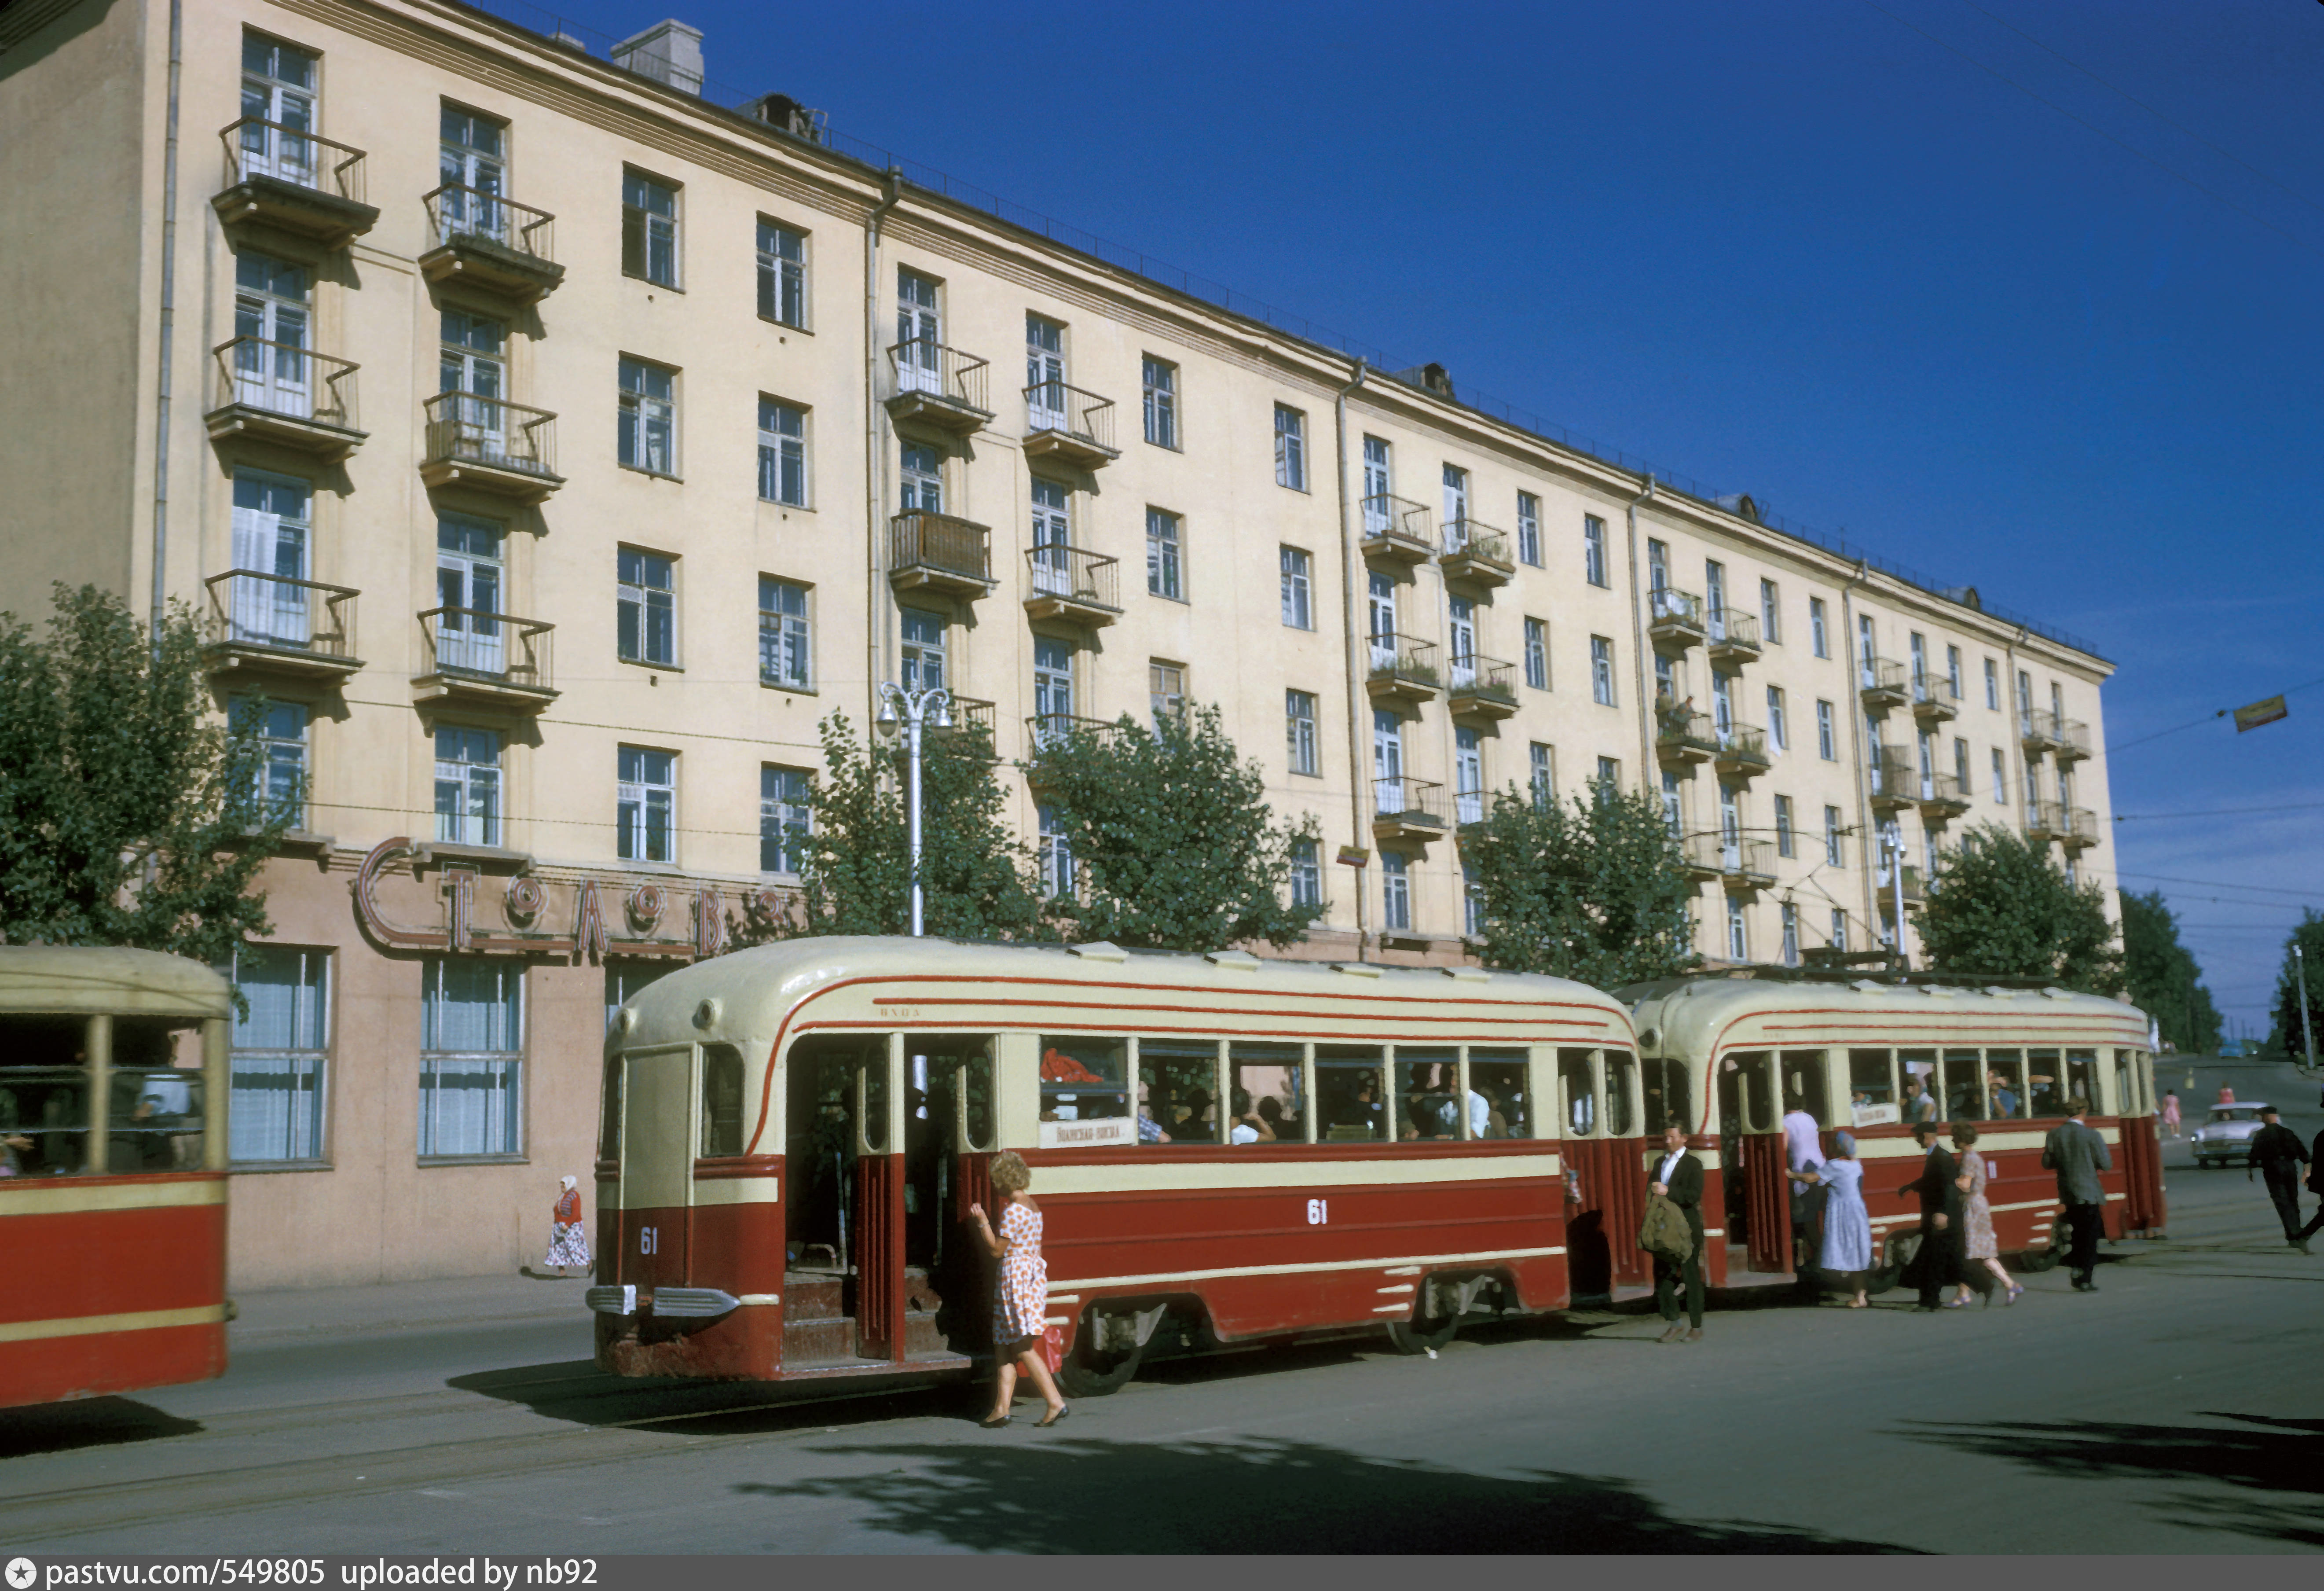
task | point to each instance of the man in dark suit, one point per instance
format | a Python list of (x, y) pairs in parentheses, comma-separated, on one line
[(1678, 1175), (2278, 1154), (2078, 1154), (1939, 1261), (2315, 1185)]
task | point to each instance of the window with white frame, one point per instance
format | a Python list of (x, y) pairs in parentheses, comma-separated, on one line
[(782, 452), (1165, 690), (648, 435), (1166, 573), (1473, 903), (471, 1056), (1609, 778), (1658, 566), (1593, 550), (1827, 733), (786, 634), (1299, 588), (1674, 806), (268, 603), (281, 1055), (277, 730), (1468, 775), (785, 818), (1838, 928), (1992, 684), (1529, 528), (1291, 449), (782, 274), (1378, 484), (1299, 730), (1601, 670), (1739, 943), (1456, 507), (1779, 734), (648, 229), (2032, 787), (1053, 686), (1785, 844), (1158, 378), (645, 805), (278, 108), (1831, 837), (924, 648), (1770, 613), (1954, 670), (1395, 891), (1536, 653), (271, 369), (1961, 769), (1057, 854), (1541, 762), (1306, 873), (472, 153), (645, 605), (1045, 373), (1791, 935), (1819, 630), (468, 785)]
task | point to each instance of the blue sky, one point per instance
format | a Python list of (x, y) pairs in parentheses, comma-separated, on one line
[(1818, 252)]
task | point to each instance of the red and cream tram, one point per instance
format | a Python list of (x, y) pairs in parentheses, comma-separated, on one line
[(1245, 1150), (113, 1157), (1731, 1055)]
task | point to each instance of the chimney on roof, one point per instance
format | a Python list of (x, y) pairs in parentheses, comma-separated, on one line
[(669, 52), (1430, 378), (780, 110)]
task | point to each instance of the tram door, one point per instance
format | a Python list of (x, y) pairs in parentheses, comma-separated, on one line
[(657, 1124), (948, 1154), (1757, 1201), (844, 1205), (1624, 1200)]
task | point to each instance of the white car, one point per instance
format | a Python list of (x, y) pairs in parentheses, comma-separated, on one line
[(2225, 1140)]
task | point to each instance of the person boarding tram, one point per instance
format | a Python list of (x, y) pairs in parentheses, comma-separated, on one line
[(1677, 1176), (1938, 1262)]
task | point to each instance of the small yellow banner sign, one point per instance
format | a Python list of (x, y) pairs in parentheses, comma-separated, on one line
[(2259, 713), (1355, 855)]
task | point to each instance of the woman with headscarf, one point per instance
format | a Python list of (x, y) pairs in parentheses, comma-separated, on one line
[(1846, 1226), (568, 1239)]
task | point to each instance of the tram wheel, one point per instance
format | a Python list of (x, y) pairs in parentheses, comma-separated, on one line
[(1422, 1337), (1082, 1376)]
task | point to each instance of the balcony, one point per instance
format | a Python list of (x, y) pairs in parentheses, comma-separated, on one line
[(485, 661), (279, 627), (1047, 731), (2037, 730), (1070, 584), (1895, 779), (1683, 738), (2046, 820), (490, 445), (288, 178), (1675, 617), (940, 387), (1743, 865), (1882, 684), (1734, 636), (2071, 740), (1408, 809), (970, 715), (1742, 752), (1477, 553), (1396, 531), (1483, 687), (284, 394), (1069, 425), (1943, 797), (1935, 699), (1402, 669), (2081, 829), (1701, 857), (490, 241), (939, 554), (1914, 891)]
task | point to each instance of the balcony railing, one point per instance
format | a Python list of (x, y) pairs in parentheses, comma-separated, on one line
[(2046, 820), (1067, 582), (1935, 696), (1403, 665), (490, 442), (2072, 738), (1895, 777), (1409, 804), (939, 552), (1478, 552), (1069, 423), (1682, 735), (1398, 528), (275, 617), (1744, 863), (1733, 633), (490, 240), (942, 385), (286, 393), (1485, 686), (1742, 750), (1882, 683), (1943, 795), (2037, 729), (969, 714), (495, 649), (290, 178), (1044, 730), (2080, 828), (1673, 614)]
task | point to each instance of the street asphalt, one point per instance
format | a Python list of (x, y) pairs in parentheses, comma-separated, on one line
[(2177, 1410)]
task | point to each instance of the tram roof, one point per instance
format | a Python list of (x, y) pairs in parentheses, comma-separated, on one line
[(1686, 1016), (85, 981), (755, 988)]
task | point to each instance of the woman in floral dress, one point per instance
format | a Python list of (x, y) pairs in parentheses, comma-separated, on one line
[(1021, 1303), (1984, 1248), (568, 1239)]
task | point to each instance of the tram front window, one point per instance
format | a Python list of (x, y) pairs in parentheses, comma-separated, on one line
[(1426, 1081), (2004, 1084), (1668, 1100), (1349, 1095), (1499, 1078), (722, 1101), (1267, 1102), (1578, 1082)]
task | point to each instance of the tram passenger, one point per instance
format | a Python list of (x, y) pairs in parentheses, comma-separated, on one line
[(1938, 1263), (1919, 1105), (1982, 1249), (1847, 1253), (1021, 1303), (1281, 1127), (1248, 1125), (1677, 1176)]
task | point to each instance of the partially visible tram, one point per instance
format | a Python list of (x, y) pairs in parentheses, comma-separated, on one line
[(113, 1172), (1728, 1056), (1226, 1150)]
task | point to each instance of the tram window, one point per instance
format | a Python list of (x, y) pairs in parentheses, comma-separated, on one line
[(2125, 1087), (2082, 1080), (1349, 1106), (1084, 1080), (1267, 1103), (2046, 1084), (1754, 1096), (1499, 1078), (1174, 1085), (609, 1129), (2004, 1084), (1426, 1083), (1579, 1085), (722, 1101), (1621, 1069), (1803, 1085), (1916, 1075), (1668, 1099), (1963, 1097), (1871, 1083), (155, 1119), (43, 1096)]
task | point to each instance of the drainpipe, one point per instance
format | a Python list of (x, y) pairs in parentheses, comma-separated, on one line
[(1647, 779), (875, 609), (168, 324), (1868, 835), (2017, 730), (1352, 570)]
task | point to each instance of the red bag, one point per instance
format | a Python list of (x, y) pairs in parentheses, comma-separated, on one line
[(1053, 1349)]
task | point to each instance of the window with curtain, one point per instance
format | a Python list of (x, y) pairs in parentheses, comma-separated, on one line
[(471, 1060), (1291, 449), (785, 818), (280, 1060)]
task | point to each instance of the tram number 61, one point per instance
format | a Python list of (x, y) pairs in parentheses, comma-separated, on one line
[(1319, 1212), (649, 1239)]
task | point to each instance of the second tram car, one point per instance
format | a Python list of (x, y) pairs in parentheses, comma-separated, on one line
[(1225, 1150), (1729, 1055)]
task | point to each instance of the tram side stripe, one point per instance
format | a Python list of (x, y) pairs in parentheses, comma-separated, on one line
[(20, 1331), (1490, 1256)]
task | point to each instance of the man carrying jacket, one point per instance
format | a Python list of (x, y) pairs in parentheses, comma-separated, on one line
[(1677, 1176), (2078, 1154), (2277, 1152)]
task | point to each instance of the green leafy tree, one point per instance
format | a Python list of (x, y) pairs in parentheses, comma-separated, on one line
[(2163, 977), (1173, 844), (1596, 890), (855, 870), (2000, 906), (2289, 1037), (129, 814)]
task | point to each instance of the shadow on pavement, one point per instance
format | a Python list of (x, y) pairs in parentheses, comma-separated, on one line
[(2281, 1456), (577, 1391), (1046, 1494), (85, 1422)]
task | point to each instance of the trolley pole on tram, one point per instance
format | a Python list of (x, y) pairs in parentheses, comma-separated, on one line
[(915, 707)]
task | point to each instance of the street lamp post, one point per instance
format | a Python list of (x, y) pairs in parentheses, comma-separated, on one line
[(2307, 1030), (915, 705)]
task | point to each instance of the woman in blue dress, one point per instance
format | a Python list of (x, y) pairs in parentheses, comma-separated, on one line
[(1846, 1226)]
